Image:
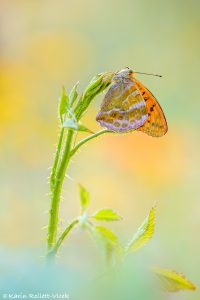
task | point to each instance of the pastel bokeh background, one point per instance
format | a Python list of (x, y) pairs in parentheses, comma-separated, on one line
[(45, 44)]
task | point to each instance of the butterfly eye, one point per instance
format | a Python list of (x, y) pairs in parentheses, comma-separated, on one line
[(130, 73)]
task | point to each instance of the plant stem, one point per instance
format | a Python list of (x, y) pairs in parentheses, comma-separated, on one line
[(56, 192), (61, 161), (56, 181), (85, 140), (54, 249), (56, 159)]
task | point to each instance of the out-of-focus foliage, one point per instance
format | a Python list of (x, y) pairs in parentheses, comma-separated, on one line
[(107, 234), (106, 214), (144, 232), (84, 198), (173, 281)]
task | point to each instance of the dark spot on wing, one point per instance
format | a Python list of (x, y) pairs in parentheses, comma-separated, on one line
[(113, 115)]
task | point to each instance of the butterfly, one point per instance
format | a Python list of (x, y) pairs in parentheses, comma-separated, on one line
[(129, 105)]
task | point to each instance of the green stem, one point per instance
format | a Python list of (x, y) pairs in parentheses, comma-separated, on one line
[(85, 140), (54, 249), (56, 181), (56, 193), (56, 159), (62, 158)]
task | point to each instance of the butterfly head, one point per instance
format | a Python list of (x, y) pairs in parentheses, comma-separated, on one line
[(123, 75)]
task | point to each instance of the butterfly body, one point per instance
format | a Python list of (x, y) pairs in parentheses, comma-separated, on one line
[(128, 105)]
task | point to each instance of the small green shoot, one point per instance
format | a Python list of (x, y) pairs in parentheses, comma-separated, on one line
[(63, 105), (73, 95)]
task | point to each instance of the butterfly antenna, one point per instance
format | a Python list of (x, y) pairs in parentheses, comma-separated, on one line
[(148, 74)]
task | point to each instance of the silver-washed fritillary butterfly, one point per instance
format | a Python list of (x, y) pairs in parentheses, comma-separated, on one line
[(128, 105)]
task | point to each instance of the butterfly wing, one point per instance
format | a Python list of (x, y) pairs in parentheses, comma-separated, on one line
[(156, 124), (123, 108)]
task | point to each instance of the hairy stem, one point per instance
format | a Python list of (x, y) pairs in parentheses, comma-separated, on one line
[(98, 84), (56, 182), (56, 159), (56, 192)]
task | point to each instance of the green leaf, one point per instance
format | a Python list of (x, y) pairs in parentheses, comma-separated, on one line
[(82, 127), (73, 94), (107, 234), (84, 198), (106, 214), (63, 105), (173, 281), (144, 233)]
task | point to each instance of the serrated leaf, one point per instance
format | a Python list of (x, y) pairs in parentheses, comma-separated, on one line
[(107, 234), (173, 281), (73, 94), (63, 105), (144, 233), (106, 214), (84, 198)]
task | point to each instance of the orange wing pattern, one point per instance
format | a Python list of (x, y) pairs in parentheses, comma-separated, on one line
[(156, 124)]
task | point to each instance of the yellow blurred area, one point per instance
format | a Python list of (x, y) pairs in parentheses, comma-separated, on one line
[(47, 44)]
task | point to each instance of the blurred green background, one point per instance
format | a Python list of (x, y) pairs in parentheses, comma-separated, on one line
[(45, 44)]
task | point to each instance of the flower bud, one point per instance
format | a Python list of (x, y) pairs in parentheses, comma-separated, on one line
[(97, 85)]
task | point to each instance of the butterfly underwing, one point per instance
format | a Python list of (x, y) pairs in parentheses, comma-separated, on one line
[(128, 105)]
